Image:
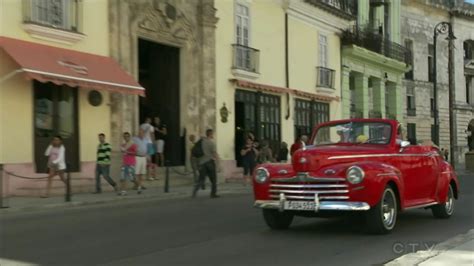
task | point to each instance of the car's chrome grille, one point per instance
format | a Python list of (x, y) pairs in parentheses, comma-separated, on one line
[(304, 187)]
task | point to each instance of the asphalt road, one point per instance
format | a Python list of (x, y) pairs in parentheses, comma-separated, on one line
[(224, 231)]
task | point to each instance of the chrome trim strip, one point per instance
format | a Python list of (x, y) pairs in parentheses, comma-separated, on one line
[(381, 155), (309, 191), (297, 179), (421, 206), (308, 186), (282, 172), (388, 174), (311, 197), (323, 205)]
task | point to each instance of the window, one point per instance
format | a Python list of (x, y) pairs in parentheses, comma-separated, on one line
[(242, 24), (411, 104), (468, 89), (62, 14), (434, 135), (386, 22), (409, 46), (309, 114), (411, 133), (323, 50), (430, 63), (432, 103)]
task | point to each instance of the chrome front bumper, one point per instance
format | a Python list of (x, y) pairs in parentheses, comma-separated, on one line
[(320, 205)]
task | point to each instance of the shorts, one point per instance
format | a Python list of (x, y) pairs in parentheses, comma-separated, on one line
[(128, 173), (248, 167), (160, 146), (140, 165), (150, 148)]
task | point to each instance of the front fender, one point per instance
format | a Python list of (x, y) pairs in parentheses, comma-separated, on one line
[(377, 176)]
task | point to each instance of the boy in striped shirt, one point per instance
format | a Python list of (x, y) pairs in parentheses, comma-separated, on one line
[(103, 164)]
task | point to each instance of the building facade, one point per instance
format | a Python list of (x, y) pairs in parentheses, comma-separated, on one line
[(169, 47), (55, 79), (277, 70), (419, 20), (374, 62)]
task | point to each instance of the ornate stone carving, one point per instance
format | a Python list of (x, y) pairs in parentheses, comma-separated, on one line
[(208, 15)]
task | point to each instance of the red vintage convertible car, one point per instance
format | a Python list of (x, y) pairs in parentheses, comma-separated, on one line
[(357, 165)]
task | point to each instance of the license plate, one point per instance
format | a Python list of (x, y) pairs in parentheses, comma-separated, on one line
[(300, 205)]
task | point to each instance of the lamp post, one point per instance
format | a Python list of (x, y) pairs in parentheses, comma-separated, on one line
[(443, 28)]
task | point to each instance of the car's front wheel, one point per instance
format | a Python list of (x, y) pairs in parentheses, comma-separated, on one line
[(382, 217), (445, 210), (277, 220)]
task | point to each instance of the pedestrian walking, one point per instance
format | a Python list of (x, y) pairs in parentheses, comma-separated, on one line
[(56, 162), (446, 154), (129, 151), (102, 167), (140, 159), (207, 163), (160, 134), (194, 162), (149, 136), (265, 154), (282, 156), (249, 159)]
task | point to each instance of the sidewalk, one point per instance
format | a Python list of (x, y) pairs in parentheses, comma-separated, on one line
[(457, 251), (179, 187)]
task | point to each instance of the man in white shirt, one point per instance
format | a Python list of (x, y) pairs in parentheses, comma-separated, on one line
[(148, 137)]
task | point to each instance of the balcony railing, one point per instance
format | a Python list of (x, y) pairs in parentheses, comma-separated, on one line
[(367, 39), (411, 112), (357, 114), (246, 58), (344, 8), (64, 15), (375, 114), (325, 77), (391, 116)]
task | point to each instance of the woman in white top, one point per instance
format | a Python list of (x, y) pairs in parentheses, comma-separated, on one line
[(56, 162)]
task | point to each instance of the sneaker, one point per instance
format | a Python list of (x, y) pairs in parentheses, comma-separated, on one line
[(150, 179), (139, 191), (123, 193), (143, 187)]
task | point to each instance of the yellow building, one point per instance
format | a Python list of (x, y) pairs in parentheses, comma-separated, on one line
[(278, 70), (55, 79)]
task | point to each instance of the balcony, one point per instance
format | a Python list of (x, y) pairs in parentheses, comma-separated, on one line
[(245, 58), (378, 2), (391, 116), (411, 112), (325, 77), (375, 114), (346, 9), (374, 42), (355, 113)]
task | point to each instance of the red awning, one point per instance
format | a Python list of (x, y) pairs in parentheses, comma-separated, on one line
[(61, 66)]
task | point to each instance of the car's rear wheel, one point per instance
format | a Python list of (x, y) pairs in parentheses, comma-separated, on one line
[(277, 220), (381, 219), (445, 210)]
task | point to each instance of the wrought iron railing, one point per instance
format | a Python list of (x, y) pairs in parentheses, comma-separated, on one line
[(375, 114), (375, 42), (246, 58), (411, 112), (339, 7), (325, 77), (64, 15)]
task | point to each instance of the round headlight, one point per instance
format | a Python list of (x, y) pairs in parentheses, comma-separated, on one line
[(355, 174), (261, 175)]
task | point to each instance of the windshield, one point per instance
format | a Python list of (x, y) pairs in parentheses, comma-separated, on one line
[(354, 133)]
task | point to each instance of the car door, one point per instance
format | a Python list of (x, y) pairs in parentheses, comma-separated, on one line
[(419, 170)]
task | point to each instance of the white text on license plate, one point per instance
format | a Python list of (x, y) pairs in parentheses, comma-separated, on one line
[(300, 205)]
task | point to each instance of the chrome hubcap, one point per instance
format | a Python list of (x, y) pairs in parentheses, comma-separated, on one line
[(450, 202), (389, 206)]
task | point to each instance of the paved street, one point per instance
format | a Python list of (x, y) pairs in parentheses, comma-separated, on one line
[(204, 231)]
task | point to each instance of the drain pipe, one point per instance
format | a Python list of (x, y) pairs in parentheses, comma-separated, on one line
[(287, 71)]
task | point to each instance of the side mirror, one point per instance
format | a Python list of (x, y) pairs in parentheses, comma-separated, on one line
[(404, 144)]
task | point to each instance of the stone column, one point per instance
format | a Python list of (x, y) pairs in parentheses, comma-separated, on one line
[(346, 93), (395, 101), (379, 96), (362, 94)]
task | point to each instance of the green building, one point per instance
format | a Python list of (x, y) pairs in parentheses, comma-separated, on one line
[(374, 62)]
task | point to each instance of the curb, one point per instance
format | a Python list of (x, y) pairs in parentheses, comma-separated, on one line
[(117, 200), (424, 255)]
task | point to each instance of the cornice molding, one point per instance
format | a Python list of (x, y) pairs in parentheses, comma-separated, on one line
[(52, 34)]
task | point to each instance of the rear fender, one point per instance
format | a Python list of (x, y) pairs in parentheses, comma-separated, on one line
[(446, 177)]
